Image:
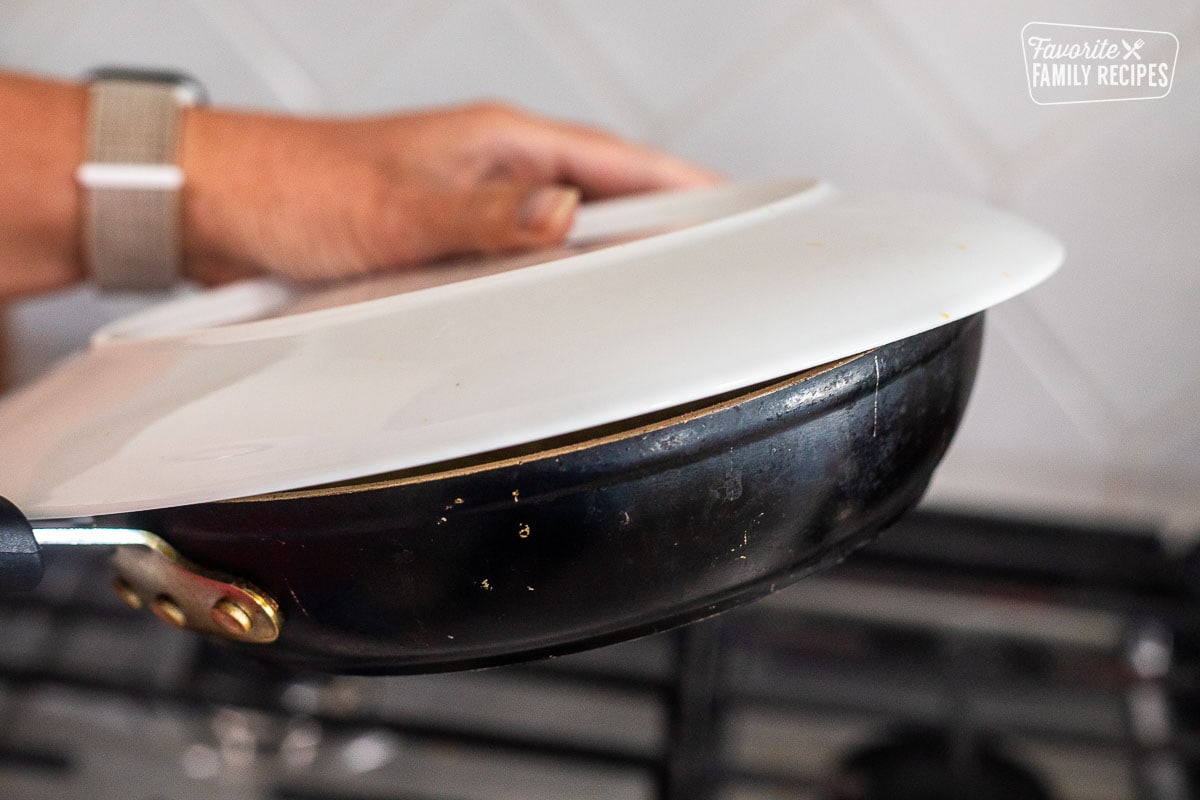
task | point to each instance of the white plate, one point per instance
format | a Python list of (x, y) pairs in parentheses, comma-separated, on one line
[(260, 387)]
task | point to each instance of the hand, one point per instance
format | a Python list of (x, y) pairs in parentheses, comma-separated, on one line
[(318, 199)]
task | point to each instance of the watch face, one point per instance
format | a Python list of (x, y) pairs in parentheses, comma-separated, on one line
[(189, 91)]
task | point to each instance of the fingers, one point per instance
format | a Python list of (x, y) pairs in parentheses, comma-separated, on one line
[(496, 217), (606, 166), (599, 163), (423, 224)]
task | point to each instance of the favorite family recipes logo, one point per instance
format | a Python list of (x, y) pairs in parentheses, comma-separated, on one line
[(1087, 64)]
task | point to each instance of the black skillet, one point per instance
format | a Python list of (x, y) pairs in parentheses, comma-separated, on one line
[(605, 536), (578, 542)]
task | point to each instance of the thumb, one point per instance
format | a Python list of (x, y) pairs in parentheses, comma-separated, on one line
[(494, 217)]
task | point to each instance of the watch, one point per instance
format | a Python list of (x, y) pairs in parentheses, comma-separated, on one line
[(131, 180)]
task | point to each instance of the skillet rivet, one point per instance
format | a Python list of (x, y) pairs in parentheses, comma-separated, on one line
[(232, 617), (128, 596), (166, 609)]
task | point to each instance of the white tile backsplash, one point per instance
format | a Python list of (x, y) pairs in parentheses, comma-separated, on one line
[(341, 45), (69, 37), (1125, 205), (704, 41), (477, 50), (857, 129), (1088, 401)]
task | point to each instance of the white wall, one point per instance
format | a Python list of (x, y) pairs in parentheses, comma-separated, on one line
[(1089, 399)]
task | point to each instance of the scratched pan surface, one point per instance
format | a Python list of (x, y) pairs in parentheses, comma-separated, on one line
[(611, 534)]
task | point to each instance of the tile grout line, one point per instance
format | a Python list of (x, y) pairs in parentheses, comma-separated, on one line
[(960, 131), (290, 80), (1049, 360), (577, 53), (369, 64), (752, 61)]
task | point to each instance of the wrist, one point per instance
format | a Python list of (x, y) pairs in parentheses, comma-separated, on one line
[(195, 156), (225, 177), (43, 124)]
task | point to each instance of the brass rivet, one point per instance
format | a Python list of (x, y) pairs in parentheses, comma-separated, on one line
[(166, 609), (232, 617), (128, 596)]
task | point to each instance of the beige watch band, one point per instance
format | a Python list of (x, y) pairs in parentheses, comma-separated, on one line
[(132, 184)]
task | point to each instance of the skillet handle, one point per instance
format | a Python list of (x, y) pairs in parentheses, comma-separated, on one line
[(20, 554), (150, 572)]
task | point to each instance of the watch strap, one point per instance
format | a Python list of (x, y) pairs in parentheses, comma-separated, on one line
[(132, 185)]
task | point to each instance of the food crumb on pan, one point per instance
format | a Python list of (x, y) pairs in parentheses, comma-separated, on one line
[(523, 531), (487, 586)]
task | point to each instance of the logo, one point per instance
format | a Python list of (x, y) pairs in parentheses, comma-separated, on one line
[(1088, 64)]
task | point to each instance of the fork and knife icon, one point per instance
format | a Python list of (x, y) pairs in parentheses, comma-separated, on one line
[(1132, 49)]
